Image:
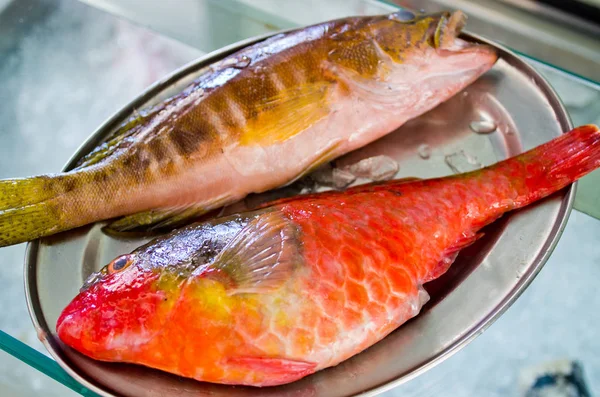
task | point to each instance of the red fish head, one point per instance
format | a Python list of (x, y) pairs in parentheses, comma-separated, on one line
[(118, 310)]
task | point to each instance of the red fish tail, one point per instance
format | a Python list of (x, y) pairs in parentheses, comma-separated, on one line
[(554, 165)]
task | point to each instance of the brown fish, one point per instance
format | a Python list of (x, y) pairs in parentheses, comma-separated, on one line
[(258, 119)]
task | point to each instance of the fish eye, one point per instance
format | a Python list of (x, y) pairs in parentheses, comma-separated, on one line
[(119, 264), (403, 16)]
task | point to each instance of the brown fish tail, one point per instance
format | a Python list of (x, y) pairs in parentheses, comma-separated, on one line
[(42, 205), (21, 224), (27, 207)]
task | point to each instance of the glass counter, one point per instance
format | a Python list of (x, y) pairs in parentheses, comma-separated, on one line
[(66, 66)]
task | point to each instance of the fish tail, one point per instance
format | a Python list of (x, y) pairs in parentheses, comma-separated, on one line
[(554, 165), (31, 207)]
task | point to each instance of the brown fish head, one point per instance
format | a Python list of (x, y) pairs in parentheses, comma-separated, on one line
[(405, 36), (431, 43), (418, 57)]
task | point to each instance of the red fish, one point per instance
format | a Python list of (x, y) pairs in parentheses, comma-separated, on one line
[(270, 296)]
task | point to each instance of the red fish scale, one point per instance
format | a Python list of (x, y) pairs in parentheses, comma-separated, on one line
[(372, 252)]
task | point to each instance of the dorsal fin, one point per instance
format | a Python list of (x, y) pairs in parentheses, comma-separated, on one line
[(261, 257), (130, 128), (111, 145)]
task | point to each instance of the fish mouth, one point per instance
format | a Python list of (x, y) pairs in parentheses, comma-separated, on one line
[(448, 29), (446, 37)]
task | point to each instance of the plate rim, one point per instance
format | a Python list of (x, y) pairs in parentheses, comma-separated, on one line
[(562, 119)]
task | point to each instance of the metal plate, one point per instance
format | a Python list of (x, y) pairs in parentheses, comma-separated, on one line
[(483, 282)]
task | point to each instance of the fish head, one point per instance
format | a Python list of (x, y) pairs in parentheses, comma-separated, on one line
[(122, 310), (410, 38), (411, 60), (403, 34), (119, 308)]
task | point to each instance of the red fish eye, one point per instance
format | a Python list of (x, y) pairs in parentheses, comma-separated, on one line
[(119, 264)]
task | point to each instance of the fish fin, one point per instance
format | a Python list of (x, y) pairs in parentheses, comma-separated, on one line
[(276, 371), (99, 153), (30, 207), (110, 145), (286, 114), (165, 219), (16, 193), (326, 155), (260, 257), (154, 220), (381, 185), (113, 142), (450, 254), (369, 187), (28, 222), (553, 165)]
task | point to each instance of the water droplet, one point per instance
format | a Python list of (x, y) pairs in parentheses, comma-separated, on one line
[(460, 162), (424, 151), (238, 63), (243, 62), (483, 127)]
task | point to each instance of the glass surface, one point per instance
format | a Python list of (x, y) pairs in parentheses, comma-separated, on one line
[(23, 380), (65, 67)]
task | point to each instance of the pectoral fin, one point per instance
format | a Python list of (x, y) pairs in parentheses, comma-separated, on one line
[(286, 114), (261, 257)]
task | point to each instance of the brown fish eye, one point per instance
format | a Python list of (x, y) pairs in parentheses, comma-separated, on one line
[(403, 16), (119, 264)]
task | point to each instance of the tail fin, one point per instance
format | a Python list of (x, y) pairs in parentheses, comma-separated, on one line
[(556, 164), (29, 208), (16, 193)]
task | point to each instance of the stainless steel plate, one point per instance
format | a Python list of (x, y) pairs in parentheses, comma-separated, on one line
[(483, 282)]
